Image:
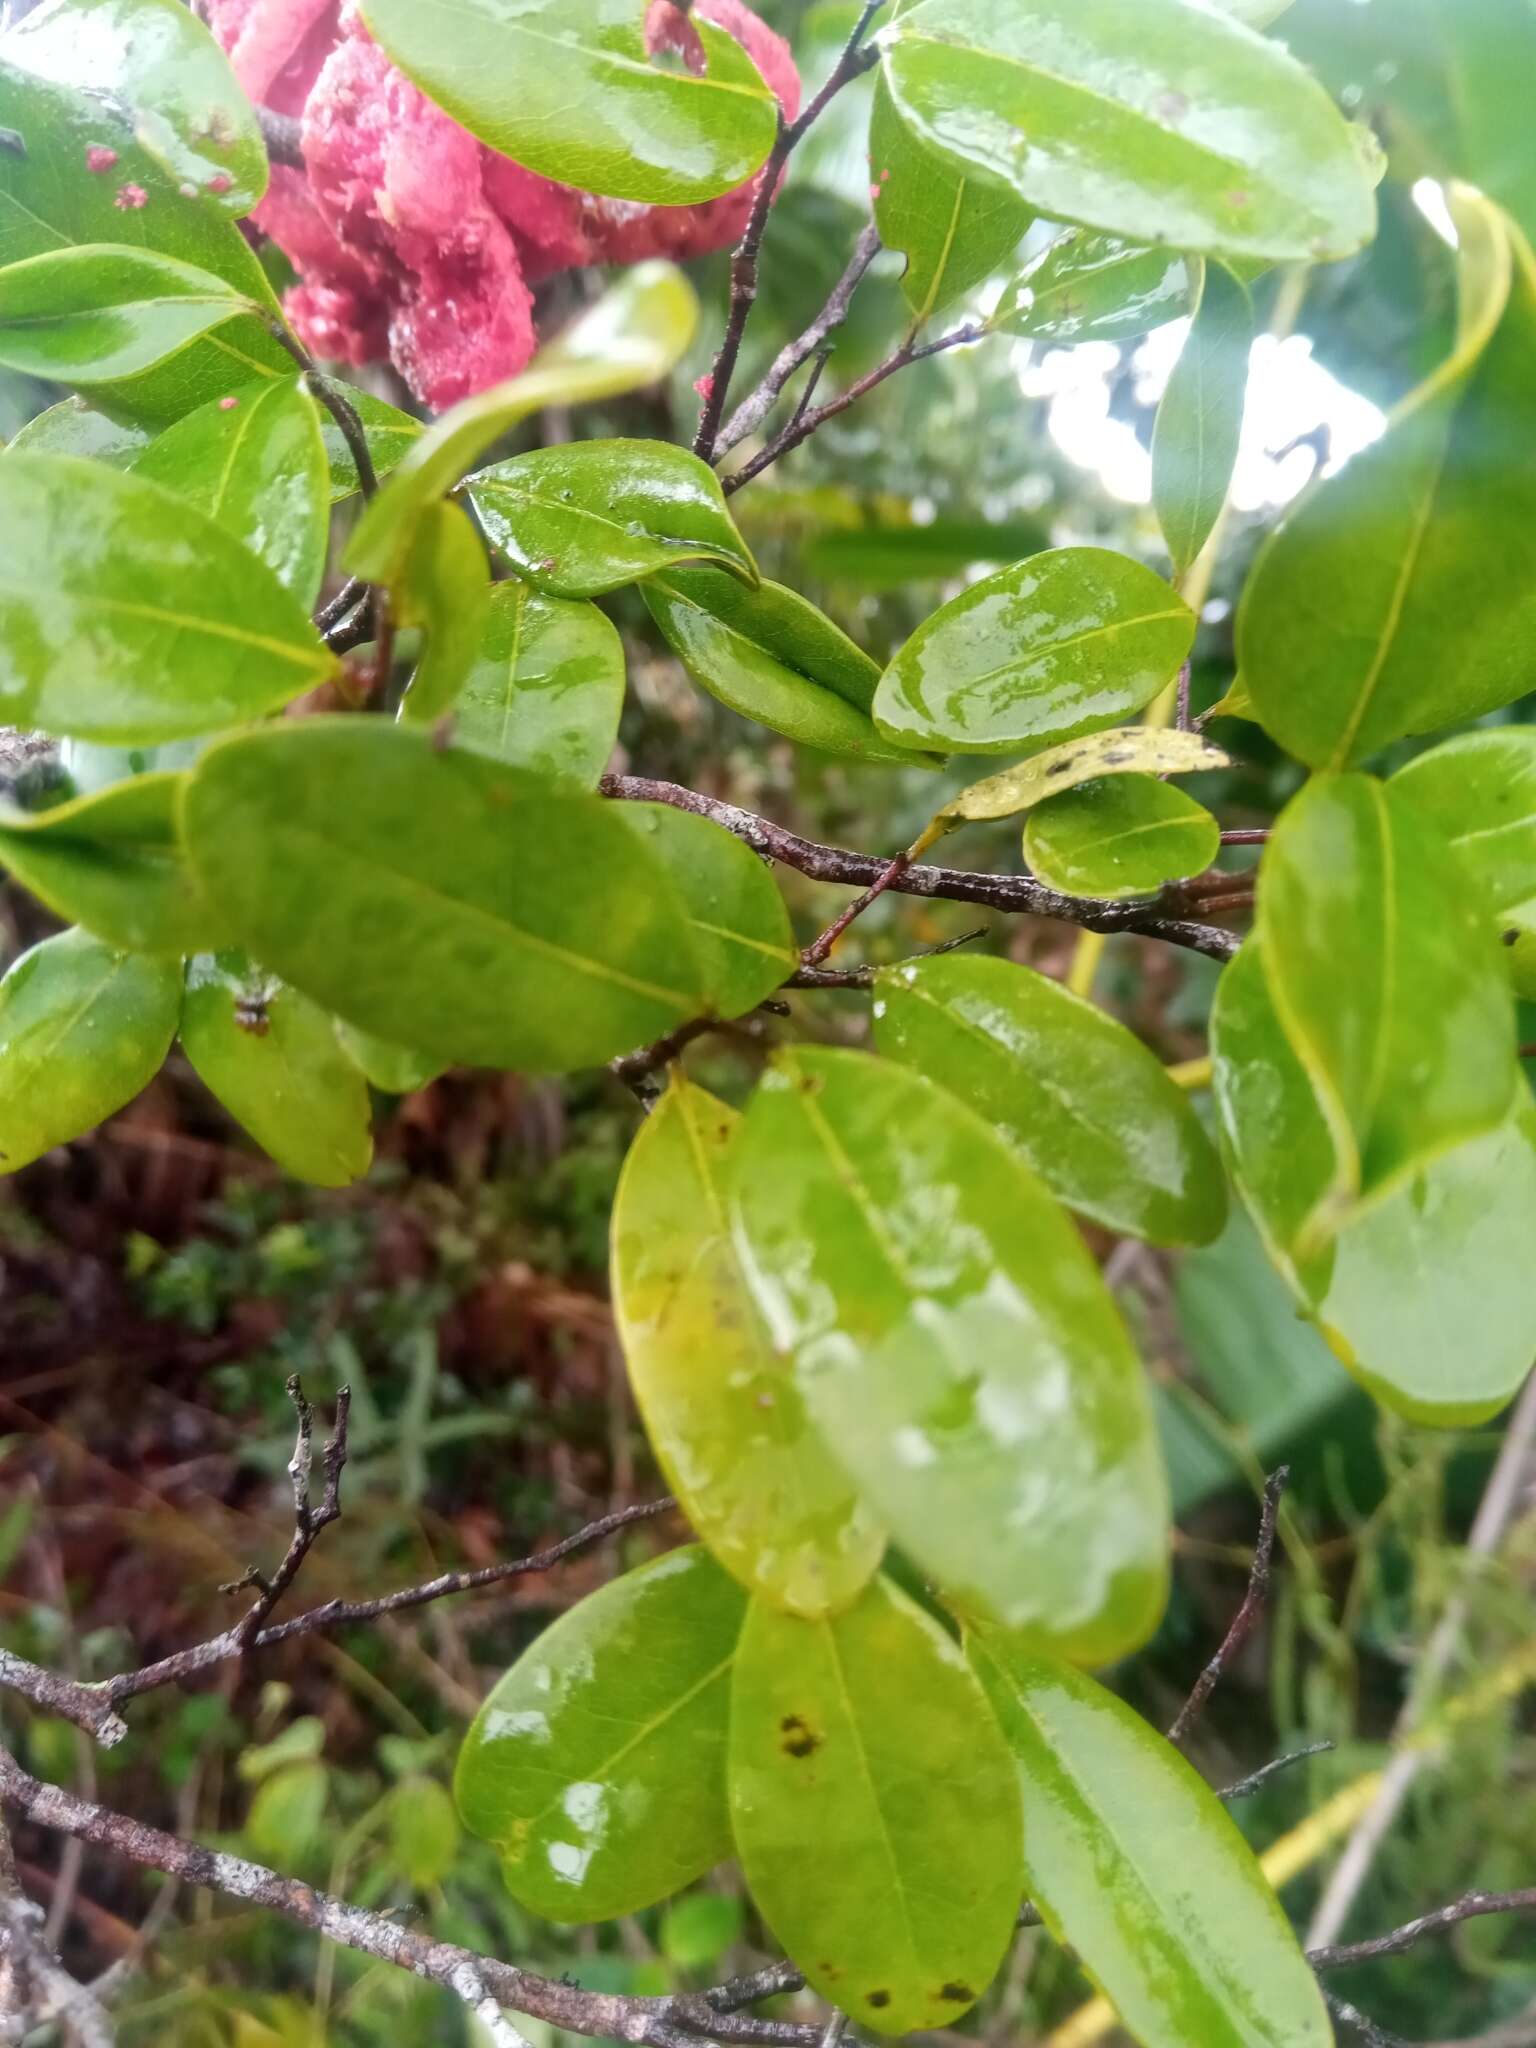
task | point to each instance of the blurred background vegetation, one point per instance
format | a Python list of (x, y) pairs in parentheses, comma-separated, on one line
[(159, 1281)]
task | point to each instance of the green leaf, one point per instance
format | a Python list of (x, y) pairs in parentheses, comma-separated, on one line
[(1257, 13), (389, 432), (1400, 594), (571, 93), (286, 1823), (156, 60), (98, 314), (696, 1932), (82, 1030), (1387, 982), (770, 655), (113, 862), (632, 336), (74, 428), (956, 1347), (127, 616), (1087, 287), (590, 516), (869, 1735), (254, 462), (1087, 1104), (1200, 417), (545, 689), (272, 1058), (1136, 1865), (722, 1411), (1122, 835), (438, 899), (741, 930), (1066, 642), (51, 199), (445, 587), (597, 1765), (954, 231), (423, 1832), (880, 555), (1127, 750), (1481, 57), (1479, 791), (392, 1069), (1212, 139)]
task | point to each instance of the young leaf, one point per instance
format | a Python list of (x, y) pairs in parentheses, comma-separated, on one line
[(632, 336), (953, 230), (1387, 982), (546, 688), (1087, 1104), (444, 587), (272, 1058), (255, 462), (1212, 139), (1087, 287), (903, 1924), (597, 1765), (1400, 594), (590, 516), (1200, 418), (424, 1839), (82, 1029), (1067, 642), (389, 432), (741, 930), (100, 313), (113, 862), (956, 1347), (1123, 835), (770, 655), (1128, 750), (127, 616), (156, 58), (720, 1406), (439, 899), (74, 428), (1136, 1865), (392, 1069)]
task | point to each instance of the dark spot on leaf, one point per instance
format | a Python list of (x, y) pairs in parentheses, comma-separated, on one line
[(1113, 756), (10, 140), (957, 1993), (1511, 938), (800, 1739), (879, 1998)]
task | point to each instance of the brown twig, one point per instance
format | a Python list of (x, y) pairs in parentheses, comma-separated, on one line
[(336, 403), (1247, 1614), (887, 878), (1255, 1779), (1471, 1906), (284, 137)]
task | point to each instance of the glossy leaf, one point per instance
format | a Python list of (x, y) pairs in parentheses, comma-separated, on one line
[(439, 899), (1123, 835), (1212, 139), (1479, 791), (74, 428), (1087, 287), (390, 435), (1087, 1104), (1137, 1866), (1127, 750), (546, 688), (597, 1765), (51, 199), (99, 313), (721, 1408), (1387, 982), (445, 588), (392, 1069), (632, 336), (869, 1735), (126, 615), (1200, 417), (155, 59), (953, 230), (956, 1347), (590, 516), (113, 862), (82, 1029), (571, 93), (769, 654), (1400, 594), (255, 463), (1066, 642), (741, 930)]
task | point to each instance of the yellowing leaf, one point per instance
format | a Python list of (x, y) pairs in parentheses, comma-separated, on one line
[(1128, 750)]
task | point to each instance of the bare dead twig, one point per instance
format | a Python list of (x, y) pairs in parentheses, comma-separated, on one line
[(308, 1521), (1247, 1614), (1471, 1906), (1242, 1787)]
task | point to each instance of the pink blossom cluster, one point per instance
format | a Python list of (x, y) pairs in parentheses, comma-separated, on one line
[(412, 240)]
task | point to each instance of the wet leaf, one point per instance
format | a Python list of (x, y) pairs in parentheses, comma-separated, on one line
[(390, 435), (1124, 835), (1087, 287), (1066, 642), (1127, 750), (597, 1765), (904, 1924), (956, 1348), (1088, 1105), (82, 1029), (546, 688), (99, 313), (1200, 417), (74, 428), (445, 588)]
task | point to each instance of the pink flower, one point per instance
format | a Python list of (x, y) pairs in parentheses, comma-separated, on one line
[(129, 198), (99, 158)]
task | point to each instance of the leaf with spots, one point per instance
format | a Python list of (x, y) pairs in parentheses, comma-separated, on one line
[(1130, 750)]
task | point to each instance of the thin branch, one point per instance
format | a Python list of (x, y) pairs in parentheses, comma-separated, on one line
[(34, 1985), (1472, 1906), (1247, 835), (887, 878), (336, 403), (307, 1521), (284, 137), (1255, 1779), (1246, 1615), (1363, 2026), (346, 600)]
